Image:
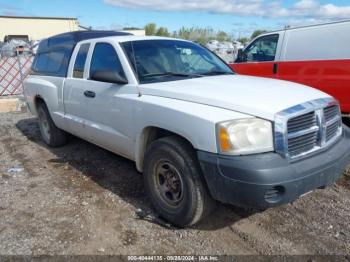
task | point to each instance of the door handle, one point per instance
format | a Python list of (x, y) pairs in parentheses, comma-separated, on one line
[(275, 68), (89, 94)]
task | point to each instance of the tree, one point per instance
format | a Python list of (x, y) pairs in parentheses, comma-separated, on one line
[(256, 33), (196, 34), (199, 35), (243, 40), (131, 28), (163, 31), (151, 29), (183, 33), (222, 36)]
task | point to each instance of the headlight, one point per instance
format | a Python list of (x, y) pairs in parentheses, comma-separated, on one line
[(245, 136)]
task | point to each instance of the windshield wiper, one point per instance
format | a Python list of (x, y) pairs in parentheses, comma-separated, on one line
[(171, 74), (217, 73)]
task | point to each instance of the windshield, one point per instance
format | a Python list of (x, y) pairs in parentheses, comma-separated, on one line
[(169, 60)]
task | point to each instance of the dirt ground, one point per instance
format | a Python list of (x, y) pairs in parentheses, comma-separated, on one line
[(81, 199)]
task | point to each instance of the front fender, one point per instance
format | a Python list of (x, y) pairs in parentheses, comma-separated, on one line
[(194, 122)]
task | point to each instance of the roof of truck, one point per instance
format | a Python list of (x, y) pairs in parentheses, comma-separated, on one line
[(127, 38), (70, 39)]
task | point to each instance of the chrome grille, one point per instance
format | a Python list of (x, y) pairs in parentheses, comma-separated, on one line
[(333, 121), (301, 144), (331, 112), (302, 133), (306, 128), (332, 131), (302, 122)]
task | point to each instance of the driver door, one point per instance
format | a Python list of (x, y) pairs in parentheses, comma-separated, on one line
[(106, 107), (260, 58)]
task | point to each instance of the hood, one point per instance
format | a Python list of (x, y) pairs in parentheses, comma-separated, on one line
[(256, 96)]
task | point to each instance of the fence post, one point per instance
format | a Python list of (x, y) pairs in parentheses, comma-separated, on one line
[(20, 70)]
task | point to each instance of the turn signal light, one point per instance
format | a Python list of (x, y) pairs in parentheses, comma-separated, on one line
[(224, 138)]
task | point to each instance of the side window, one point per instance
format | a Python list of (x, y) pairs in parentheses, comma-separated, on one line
[(40, 62), (49, 62), (105, 58), (263, 49), (80, 60)]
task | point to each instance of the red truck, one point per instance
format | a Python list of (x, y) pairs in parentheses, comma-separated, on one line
[(317, 56)]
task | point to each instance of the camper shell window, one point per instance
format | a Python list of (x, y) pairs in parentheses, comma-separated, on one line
[(54, 53)]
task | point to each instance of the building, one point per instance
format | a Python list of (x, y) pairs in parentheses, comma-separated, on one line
[(36, 28)]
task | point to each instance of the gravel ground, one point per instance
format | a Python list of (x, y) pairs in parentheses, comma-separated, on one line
[(81, 199)]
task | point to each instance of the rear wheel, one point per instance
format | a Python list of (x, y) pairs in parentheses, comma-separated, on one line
[(174, 182), (52, 135)]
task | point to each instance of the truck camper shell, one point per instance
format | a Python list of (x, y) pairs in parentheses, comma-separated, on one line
[(54, 53)]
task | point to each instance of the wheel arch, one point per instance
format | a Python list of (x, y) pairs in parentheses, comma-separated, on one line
[(34, 102), (150, 134), (38, 99)]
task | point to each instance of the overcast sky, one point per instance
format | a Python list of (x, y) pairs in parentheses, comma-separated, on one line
[(237, 17)]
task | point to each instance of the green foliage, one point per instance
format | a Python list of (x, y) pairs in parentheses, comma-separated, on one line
[(131, 28), (256, 33), (196, 34), (151, 29), (199, 35), (243, 40), (222, 36), (163, 31)]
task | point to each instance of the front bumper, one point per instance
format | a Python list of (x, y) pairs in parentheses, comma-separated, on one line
[(268, 180)]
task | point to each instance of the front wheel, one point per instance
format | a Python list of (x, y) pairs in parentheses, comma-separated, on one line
[(52, 135), (174, 182)]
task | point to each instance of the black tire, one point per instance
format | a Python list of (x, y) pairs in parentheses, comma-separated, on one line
[(52, 135), (188, 203), (346, 121)]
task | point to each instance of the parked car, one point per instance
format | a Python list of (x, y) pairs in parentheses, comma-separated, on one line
[(225, 50), (317, 56), (197, 131)]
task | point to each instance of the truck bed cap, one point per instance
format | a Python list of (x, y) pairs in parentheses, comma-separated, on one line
[(65, 44), (70, 39)]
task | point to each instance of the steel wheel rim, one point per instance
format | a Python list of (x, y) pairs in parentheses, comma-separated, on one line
[(44, 124), (169, 184)]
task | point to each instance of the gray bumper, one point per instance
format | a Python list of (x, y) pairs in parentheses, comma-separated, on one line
[(268, 180)]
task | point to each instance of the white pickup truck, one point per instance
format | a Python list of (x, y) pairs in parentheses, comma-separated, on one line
[(197, 131)]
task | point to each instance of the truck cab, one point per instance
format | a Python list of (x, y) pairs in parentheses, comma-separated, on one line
[(198, 132)]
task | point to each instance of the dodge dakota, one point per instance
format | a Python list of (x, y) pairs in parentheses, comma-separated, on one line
[(199, 132)]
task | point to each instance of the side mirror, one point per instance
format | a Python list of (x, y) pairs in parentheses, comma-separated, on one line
[(241, 56), (108, 76)]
